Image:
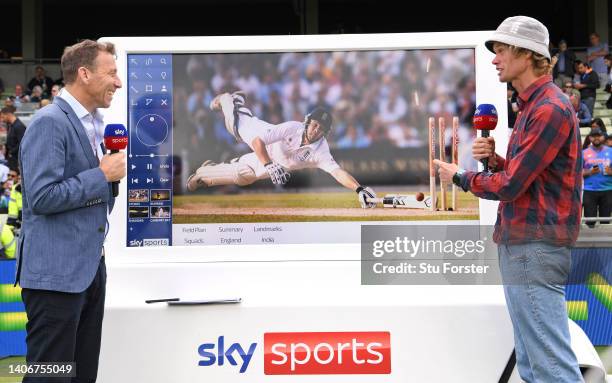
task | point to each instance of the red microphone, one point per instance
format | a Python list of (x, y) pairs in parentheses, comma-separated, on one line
[(485, 119), (115, 139)]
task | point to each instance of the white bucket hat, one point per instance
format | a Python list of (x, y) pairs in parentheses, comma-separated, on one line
[(523, 32)]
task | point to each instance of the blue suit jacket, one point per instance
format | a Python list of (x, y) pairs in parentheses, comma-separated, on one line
[(65, 203)]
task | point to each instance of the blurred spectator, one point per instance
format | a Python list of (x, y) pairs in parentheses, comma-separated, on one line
[(15, 205), (568, 89), (20, 95), (563, 71), (16, 130), (6, 179), (1, 86), (42, 80), (7, 240), (595, 57), (354, 138), (273, 109), (44, 102), (10, 101), (513, 108), (199, 98), (597, 174), (608, 87), (55, 89), (609, 140), (582, 111), (247, 81), (392, 111), (37, 94), (5, 197), (589, 82), (5, 173), (13, 176), (608, 62), (596, 123)]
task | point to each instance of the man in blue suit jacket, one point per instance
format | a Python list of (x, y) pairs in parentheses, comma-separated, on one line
[(66, 200)]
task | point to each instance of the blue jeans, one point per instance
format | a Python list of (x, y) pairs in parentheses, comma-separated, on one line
[(534, 275), (590, 103)]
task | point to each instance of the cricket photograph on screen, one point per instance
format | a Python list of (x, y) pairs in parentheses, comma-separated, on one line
[(293, 137)]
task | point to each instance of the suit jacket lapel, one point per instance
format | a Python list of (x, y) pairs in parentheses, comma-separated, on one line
[(79, 129)]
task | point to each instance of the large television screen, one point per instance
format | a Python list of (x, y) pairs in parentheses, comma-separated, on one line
[(270, 146)]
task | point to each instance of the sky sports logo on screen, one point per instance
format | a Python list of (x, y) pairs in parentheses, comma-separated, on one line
[(150, 242), (306, 353)]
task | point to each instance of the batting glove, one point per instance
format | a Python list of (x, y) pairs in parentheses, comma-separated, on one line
[(278, 174), (364, 194)]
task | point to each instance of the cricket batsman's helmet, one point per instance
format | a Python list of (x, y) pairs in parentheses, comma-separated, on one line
[(321, 115)]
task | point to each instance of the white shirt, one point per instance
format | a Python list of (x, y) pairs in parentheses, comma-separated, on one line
[(93, 124), (284, 145)]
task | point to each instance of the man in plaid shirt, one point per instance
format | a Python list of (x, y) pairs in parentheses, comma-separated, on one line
[(539, 188)]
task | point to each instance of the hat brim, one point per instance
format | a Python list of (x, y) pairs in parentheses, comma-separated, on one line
[(501, 37)]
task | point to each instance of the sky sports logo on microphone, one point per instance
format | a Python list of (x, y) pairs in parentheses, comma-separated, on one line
[(117, 141), (485, 117), (307, 353), (115, 137)]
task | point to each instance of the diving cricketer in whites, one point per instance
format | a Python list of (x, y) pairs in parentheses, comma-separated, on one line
[(277, 150)]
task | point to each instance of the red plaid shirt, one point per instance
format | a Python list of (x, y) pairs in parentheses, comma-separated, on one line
[(539, 185)]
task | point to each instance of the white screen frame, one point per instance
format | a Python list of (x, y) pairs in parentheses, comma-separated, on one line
[(488, 90)]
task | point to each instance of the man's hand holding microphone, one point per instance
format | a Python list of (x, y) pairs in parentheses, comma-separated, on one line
[(113, 166), (483, 148)]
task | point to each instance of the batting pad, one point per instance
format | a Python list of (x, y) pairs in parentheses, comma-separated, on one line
[(234, 173)]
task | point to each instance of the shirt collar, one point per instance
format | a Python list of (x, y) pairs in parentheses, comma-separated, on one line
[(77, 107), (525, 96)]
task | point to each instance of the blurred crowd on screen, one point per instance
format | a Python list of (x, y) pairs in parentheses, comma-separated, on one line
[(376, 97)]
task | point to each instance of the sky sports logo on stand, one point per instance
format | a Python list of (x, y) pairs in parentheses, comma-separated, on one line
[(307, 353)]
